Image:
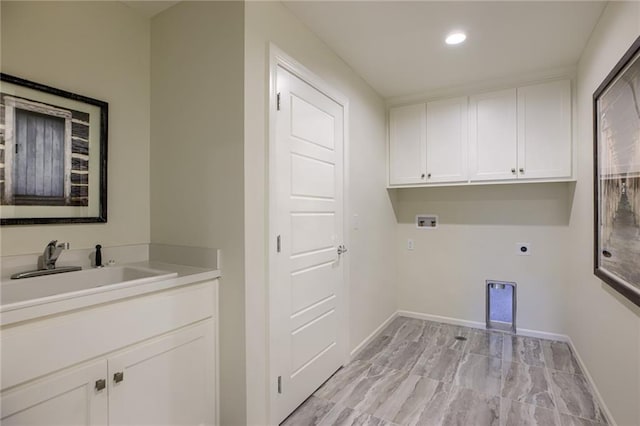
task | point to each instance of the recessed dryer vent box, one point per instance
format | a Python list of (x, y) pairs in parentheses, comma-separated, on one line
[(427, 221)]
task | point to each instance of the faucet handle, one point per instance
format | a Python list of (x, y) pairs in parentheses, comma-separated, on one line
[(52, 243)]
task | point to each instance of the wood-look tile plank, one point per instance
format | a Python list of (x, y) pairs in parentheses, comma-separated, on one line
[(438, 363), (343, 381), (310, 413), (461, 407), (526, 383), (401, 356), (406, 404), (445, 335), (574, 396), (525, 350), (373, 389), (485, 343), (567, 420), (479, 372), (558, 356), (514, 413), (341, 415), (377, 345)]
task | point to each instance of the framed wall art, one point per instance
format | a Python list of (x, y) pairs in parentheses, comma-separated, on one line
[(53, 155), (617, 176)]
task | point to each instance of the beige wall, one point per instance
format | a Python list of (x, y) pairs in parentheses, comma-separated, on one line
[(476, 240), (372, 270), (100, 50), (197, 166), (603, 325)]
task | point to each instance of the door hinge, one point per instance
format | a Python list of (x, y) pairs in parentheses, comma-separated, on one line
[(279, 384), (278, 101), (278, 246)]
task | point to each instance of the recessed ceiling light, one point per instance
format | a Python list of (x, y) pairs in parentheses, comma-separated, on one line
[(456, 38)]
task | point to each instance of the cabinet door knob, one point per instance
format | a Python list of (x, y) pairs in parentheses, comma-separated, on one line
[(513, 171), (422, 176), (429, 176), (118, 377), (522, 170), (101, 384)]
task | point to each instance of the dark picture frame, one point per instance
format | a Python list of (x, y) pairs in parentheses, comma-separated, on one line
[(53, 155), (616, 150)]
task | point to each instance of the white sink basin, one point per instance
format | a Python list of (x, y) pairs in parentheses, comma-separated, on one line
[(15, 291)]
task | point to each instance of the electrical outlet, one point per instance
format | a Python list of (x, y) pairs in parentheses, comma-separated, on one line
[(523, 249), (409, 244)]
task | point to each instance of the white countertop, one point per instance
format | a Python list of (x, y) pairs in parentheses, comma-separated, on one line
[(77, 300)]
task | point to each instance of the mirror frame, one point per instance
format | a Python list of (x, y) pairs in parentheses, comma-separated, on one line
[(101, 216)]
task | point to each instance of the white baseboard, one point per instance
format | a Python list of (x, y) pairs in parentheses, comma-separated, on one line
[(373, 335), (604, 407), (438, 318), (482, 326)]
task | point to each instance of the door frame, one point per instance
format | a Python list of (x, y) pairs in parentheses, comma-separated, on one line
[(278, 58)]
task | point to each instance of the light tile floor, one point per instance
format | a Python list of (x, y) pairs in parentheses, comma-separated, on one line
[(417, 373)]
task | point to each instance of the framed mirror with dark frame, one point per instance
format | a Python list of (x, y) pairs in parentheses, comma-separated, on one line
[(53, 155)]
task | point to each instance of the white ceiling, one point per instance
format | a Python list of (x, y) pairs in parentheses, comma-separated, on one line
[(398, 47)]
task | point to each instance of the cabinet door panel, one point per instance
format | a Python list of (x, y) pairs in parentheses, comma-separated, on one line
[(447, 140), (66, 399), (167, 381), (493, 136), (544, 130), (407, 144)]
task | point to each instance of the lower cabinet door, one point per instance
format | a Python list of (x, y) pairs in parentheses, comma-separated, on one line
[(74, 397), (166, 381)]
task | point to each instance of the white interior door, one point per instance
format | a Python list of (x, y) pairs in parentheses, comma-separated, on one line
[(308, 334)]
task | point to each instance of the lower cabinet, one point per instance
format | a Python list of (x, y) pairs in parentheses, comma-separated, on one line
[(167, 380), (69, 398)]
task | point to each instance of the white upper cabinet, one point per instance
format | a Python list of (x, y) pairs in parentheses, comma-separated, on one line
[(492, 136), (407, 145), (447, 140), (544, 130), (517, 134)]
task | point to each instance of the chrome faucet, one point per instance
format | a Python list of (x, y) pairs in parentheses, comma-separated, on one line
[(51, 253), (49, 258)]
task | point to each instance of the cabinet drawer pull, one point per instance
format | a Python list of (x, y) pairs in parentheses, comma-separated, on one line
[(101, 384), (118, 377)]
